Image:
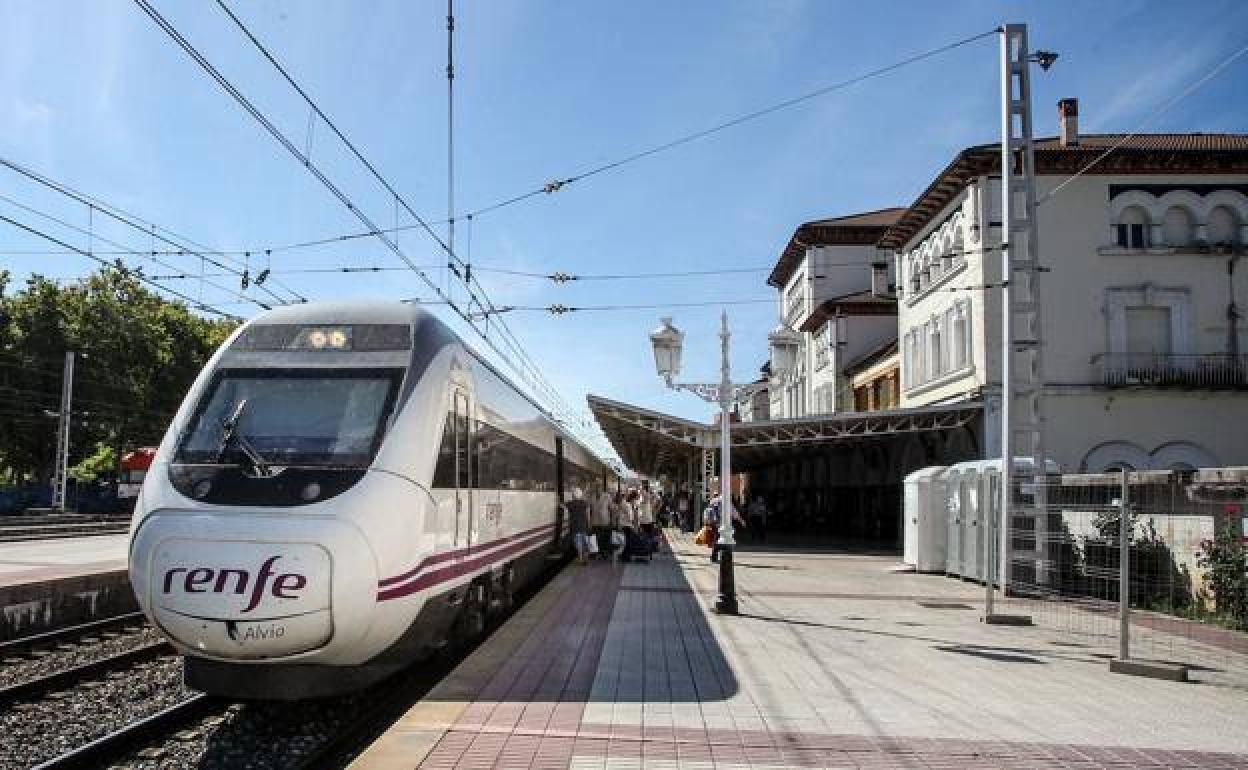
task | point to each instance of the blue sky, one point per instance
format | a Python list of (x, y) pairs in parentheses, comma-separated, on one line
[(96, 96)]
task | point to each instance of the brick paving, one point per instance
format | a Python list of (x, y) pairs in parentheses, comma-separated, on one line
[(615, 667)]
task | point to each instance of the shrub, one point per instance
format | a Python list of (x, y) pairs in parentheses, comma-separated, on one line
[(1226, 560)]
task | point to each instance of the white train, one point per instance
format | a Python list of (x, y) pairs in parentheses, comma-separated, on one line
[(346, 488)]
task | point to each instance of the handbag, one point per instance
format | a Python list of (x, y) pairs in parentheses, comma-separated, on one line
[(703, 537), (617, 539), (591, 544)]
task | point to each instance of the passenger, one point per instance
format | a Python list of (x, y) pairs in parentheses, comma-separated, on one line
[(645, 519), (711, 519), (578, 524), (628, 514), (602, 523), (758, 519), (684, 512)]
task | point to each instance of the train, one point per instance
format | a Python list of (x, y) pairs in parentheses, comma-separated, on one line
[(346, 489), (134, 465)]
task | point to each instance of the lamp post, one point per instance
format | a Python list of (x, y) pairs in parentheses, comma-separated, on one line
[(668, 344)]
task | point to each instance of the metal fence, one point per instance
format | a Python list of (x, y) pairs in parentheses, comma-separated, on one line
[(1186, 598)]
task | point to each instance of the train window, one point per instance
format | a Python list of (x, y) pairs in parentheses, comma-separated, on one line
[(292, 417), (506, 462), (444, 471), (463, 447)]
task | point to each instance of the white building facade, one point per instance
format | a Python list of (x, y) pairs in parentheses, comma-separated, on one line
[(1142, 297), (823, 274)]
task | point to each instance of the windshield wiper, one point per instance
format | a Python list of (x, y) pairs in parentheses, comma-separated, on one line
[(230, 435)]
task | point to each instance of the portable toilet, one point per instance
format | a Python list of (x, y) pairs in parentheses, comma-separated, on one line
[(926, 512), (975, 493)]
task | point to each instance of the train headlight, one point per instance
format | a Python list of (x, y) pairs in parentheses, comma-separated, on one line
[(323, 338), (310, 492), (201, 489)]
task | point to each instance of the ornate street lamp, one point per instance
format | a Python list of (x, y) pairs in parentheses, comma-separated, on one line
[(668, 342)]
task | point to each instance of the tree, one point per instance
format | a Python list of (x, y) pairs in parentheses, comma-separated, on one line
[(139, 355)]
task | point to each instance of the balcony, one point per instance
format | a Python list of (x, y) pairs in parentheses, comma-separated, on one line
[(1170, 370)]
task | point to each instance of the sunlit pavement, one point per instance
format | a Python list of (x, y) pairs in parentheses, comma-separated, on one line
[(835, 661)]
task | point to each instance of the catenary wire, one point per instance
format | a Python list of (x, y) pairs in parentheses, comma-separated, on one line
[(512, 342), (137, 274), (281, 138), (122, 248), (1152, 116), (112, 212), (425, 224), (558, 184)]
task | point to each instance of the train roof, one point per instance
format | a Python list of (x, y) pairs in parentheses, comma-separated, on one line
[(345, 312)]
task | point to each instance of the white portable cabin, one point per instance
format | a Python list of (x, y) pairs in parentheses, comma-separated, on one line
[(926, 512), (973, 491)]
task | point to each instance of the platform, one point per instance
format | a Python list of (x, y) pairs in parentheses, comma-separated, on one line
[(46, 584), (41, 560), (837, 660)]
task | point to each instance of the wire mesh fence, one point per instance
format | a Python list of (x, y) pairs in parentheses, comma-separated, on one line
[(1185, 569)]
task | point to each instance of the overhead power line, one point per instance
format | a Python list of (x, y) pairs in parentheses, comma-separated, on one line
[(315, 108), (558, 184), (555, 186), (525, 368), (534, 375), (95, 204), (137, 274), (122, 249), (1152, 116)]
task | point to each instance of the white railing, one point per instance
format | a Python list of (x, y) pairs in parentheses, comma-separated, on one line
[(1210, 370)]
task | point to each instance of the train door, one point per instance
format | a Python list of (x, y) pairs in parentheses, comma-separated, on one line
[(463, 470), (558, 492)]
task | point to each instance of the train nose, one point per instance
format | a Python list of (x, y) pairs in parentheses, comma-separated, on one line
[(242, 600)]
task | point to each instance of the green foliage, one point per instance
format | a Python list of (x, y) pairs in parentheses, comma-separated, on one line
[(138, 356), (1226, 560), (99, 463)]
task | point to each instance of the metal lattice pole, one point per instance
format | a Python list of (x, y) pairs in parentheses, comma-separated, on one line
[(61, 474), (1022, 371)]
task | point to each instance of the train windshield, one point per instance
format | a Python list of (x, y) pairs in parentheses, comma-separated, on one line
[(291, 418)]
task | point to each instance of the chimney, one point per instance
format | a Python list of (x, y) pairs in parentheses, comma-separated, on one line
[(879, 279), (1068, 121)]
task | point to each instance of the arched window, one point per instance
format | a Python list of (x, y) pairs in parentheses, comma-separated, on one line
[(1133, 228), (1177, 227), (1223, 226)]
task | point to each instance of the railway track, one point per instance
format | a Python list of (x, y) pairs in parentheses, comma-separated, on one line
[(69, 677), (81, 632), (115, 744), (204, 732)]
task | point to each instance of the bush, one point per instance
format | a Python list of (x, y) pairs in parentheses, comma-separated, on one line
[(1226, 560)]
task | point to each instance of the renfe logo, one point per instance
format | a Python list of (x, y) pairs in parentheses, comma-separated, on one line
[(208, 580)]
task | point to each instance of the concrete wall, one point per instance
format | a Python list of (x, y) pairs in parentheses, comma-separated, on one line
[(31, 608)]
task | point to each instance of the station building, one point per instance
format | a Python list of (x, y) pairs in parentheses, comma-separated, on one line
[(1143, 297), (898, 365)]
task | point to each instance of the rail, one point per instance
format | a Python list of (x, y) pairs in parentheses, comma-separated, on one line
[(103, 750), (1208, 370)]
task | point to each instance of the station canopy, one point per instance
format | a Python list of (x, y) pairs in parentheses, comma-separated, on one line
[(654, 443)]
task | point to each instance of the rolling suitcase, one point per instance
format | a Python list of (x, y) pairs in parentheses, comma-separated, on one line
[(637, 547)]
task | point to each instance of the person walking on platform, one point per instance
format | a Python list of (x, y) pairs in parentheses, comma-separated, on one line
[(711, 519), (758, 519), (645, 518), (601, 523), (684, 512), (578, 524)]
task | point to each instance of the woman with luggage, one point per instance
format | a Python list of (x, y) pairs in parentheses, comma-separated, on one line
[(578, 525)]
